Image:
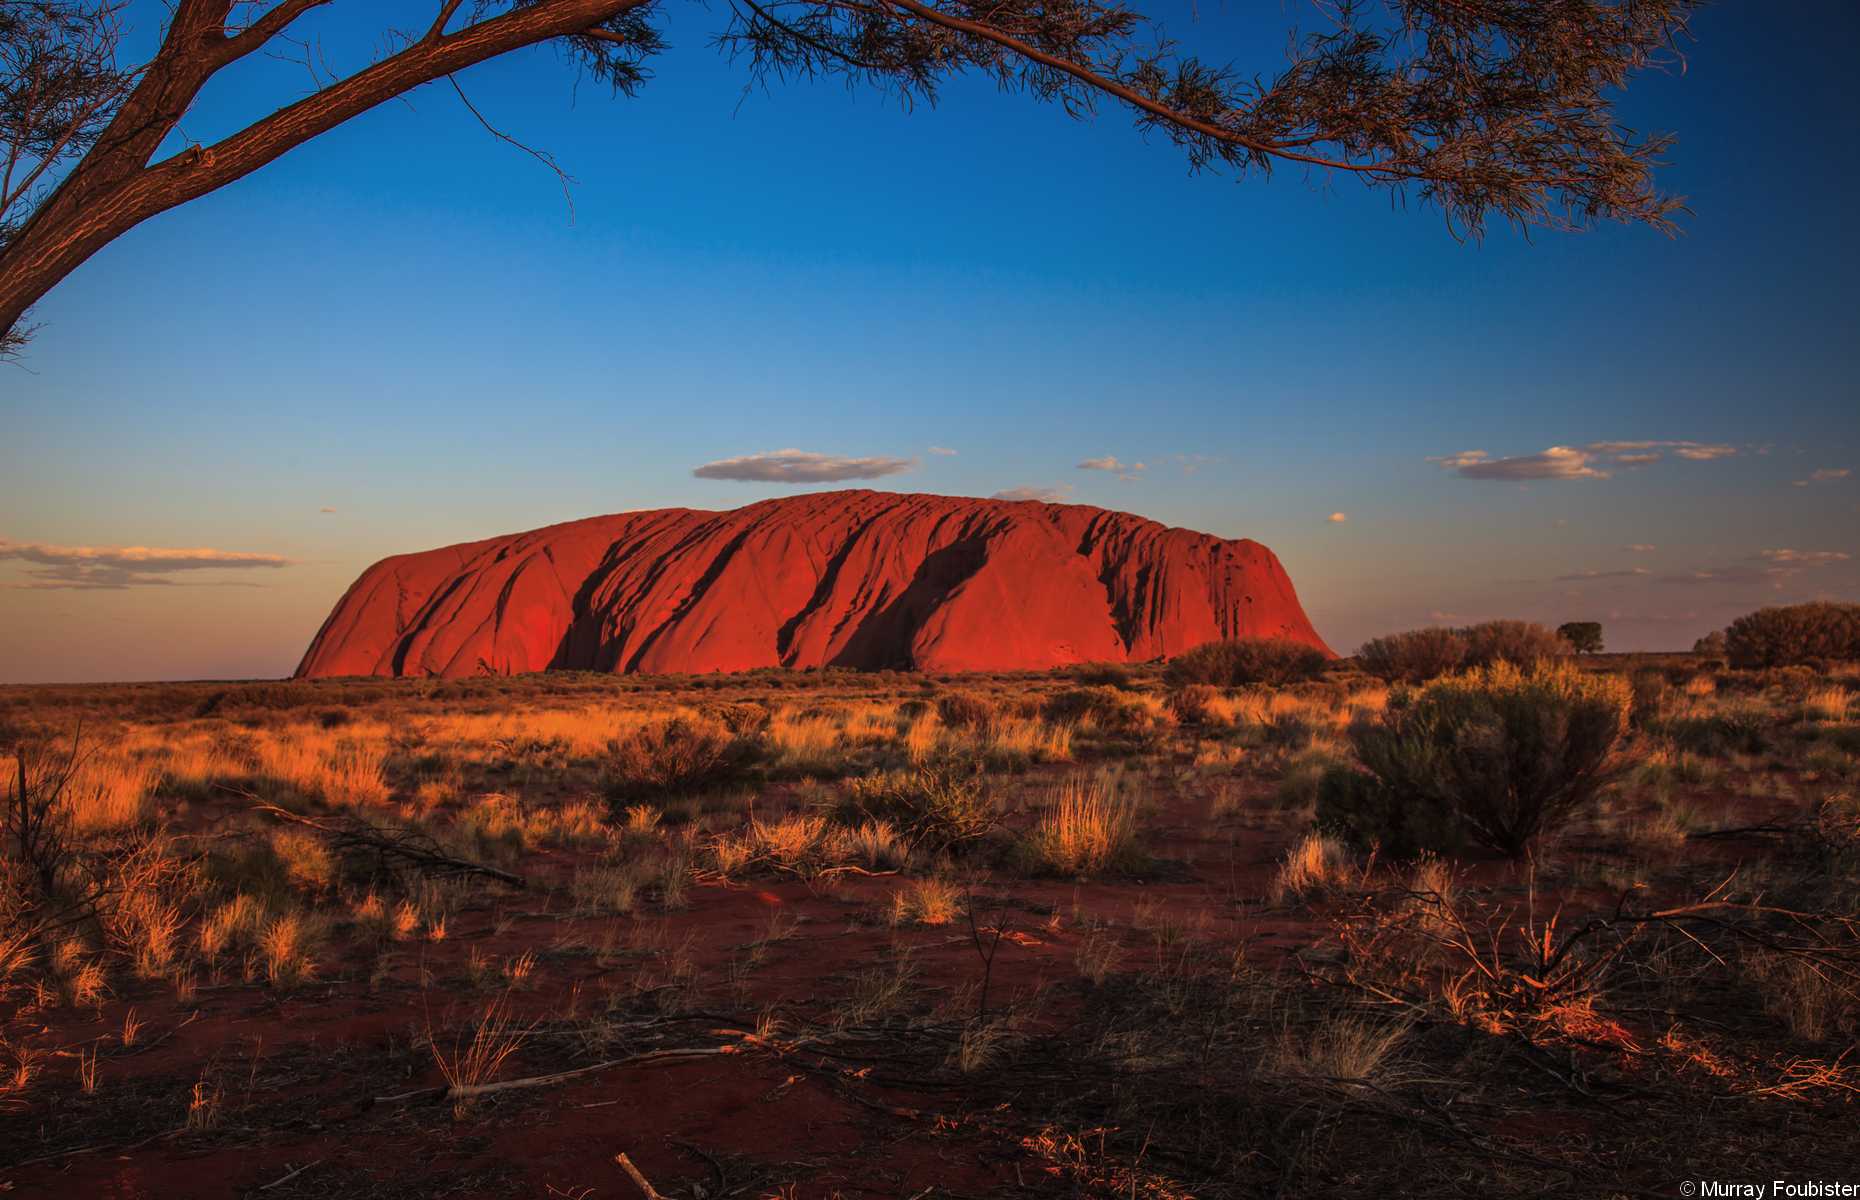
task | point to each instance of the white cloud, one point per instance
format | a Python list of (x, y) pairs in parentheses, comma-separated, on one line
[(118, 567), (1587, 461), (1128, 472), (1629, 573), (1811, 558), (1825, 475), (942, 450), (1046, 495), (1558, 462), (801, 466), (1338, 518)]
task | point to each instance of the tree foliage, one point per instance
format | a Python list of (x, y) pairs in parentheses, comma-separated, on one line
[(1584, 637), (1794, 634), (1485, 109)]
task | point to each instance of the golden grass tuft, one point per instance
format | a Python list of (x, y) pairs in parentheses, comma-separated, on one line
[(1316, 864), (1087, 827)]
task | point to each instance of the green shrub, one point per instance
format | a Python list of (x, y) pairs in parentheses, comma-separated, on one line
[(675, 757), (1497, 756), (1519, 643), (1237, 661), (1413, 657), (1793, 634)]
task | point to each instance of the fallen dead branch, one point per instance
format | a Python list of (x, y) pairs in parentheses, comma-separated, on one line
[(639, 1179), (652, 1058), (404, 847)]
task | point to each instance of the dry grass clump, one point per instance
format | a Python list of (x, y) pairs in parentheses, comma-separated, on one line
[(607, 887), (496, 1036), (111, 792), (930, 901), (306, 859), (1827, 704), (1341, 1048), (288, 946), (935, 808), (344, 771), (675, 757), (1815, 1001), (1087, 827), (1315, 864)]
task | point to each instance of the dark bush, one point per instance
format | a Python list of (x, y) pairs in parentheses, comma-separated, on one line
[(964, 710), (676, 757), (1106, 707), (1413, 657), (1711, 645), (1497, 756), (1237, 661), (1519, 643), (1105, 674), (1793, 634), (1193, 703)]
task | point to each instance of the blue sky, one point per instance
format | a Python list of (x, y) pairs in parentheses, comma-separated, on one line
[(401, 322)]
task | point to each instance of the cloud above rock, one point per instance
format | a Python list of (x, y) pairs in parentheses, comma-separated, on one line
[(1592, 460), (802, 466), (1046, 495), (114, 568), (1128, 472), (1558, 462)]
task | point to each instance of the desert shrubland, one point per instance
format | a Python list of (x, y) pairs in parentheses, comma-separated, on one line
[(1141, 921)]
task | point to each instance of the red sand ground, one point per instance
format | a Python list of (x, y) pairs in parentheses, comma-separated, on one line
[(869, 580)]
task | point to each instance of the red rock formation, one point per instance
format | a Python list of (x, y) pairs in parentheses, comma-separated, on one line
[(851, 579)]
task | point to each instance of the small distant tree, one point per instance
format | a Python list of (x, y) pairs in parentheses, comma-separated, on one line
[(1584, 637), (1486, 109), (1711, 645)]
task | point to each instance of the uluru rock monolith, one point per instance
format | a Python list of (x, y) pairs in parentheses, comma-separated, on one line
[(860, 579)]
